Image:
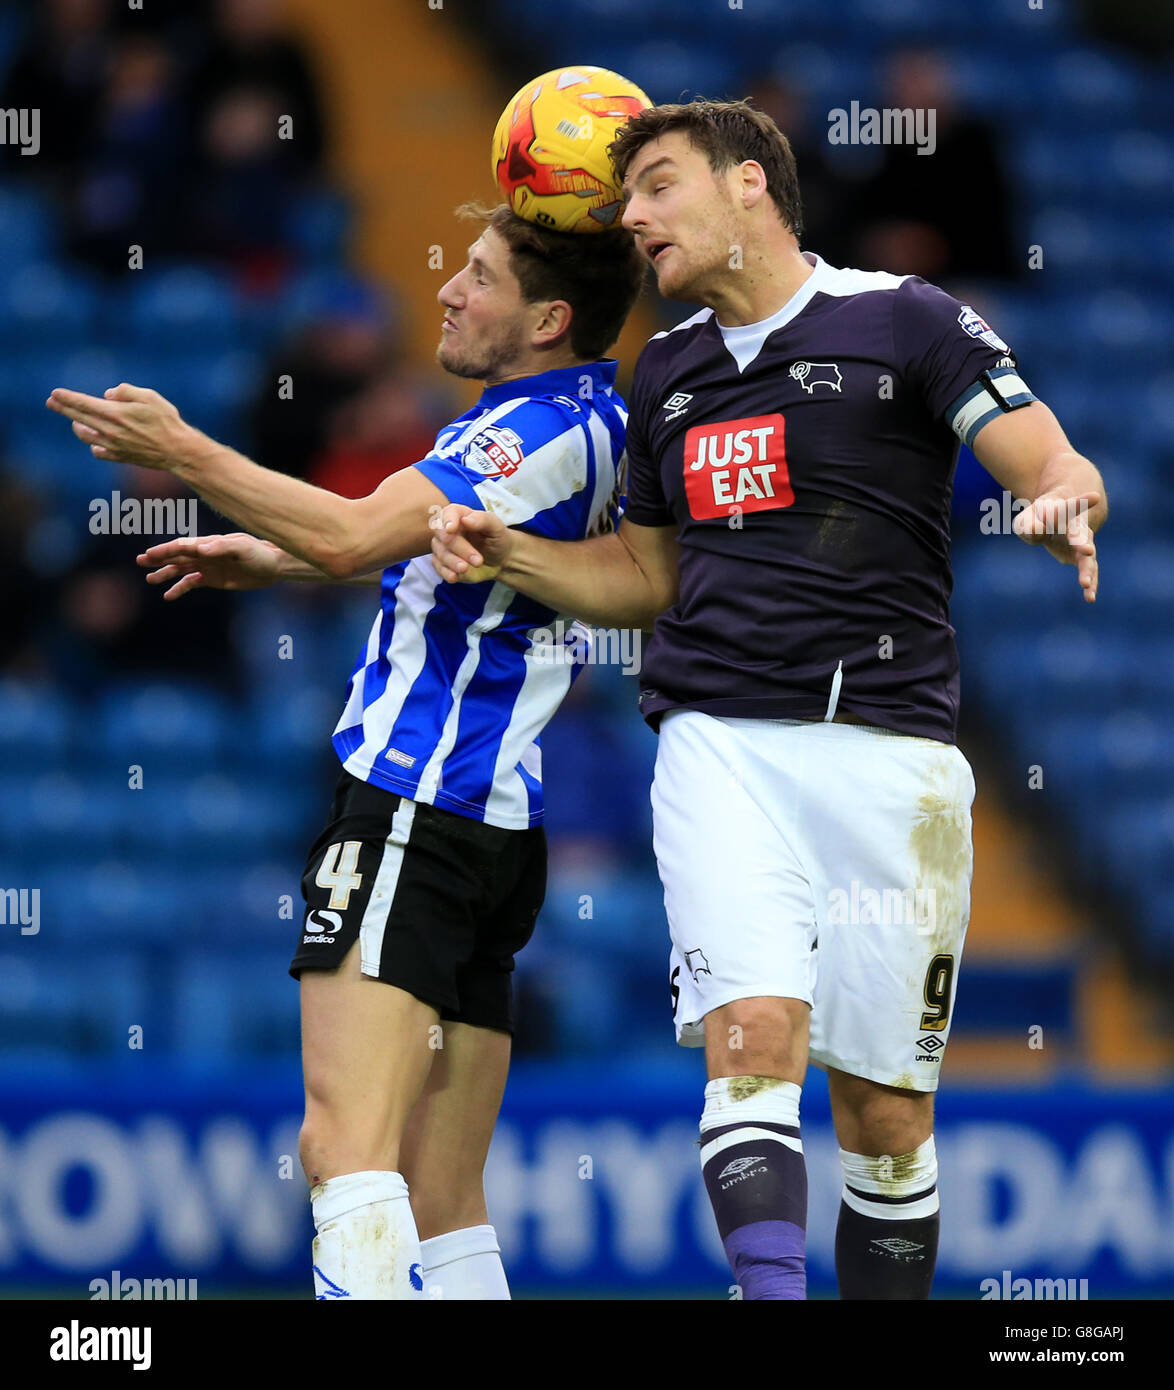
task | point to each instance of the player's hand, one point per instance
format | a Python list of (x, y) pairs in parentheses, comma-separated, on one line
[(237, 561), (129, 424), (1060, 524), (469, 546)]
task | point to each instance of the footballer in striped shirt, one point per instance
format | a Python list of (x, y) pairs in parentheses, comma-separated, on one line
[(430, 871)]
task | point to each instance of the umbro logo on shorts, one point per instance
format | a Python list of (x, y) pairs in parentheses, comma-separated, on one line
[(931, 1045)]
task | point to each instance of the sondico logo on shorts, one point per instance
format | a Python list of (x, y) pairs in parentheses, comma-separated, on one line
[(737, 463), (324, 921)]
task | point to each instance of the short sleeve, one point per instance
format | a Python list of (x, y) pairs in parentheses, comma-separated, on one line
[(531, 466), (646, 502)]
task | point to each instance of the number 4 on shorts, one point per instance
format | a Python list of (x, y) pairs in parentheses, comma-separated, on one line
[(339, 872)]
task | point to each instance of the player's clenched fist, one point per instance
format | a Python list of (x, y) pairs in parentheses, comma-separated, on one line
[(469, 546), (237, 561)]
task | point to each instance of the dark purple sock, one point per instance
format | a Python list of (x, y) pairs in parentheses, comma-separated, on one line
[(758, 1190)]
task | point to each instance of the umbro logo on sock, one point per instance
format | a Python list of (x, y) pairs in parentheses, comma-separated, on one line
[(741, 1169), (738, 1165), (898, 1249)]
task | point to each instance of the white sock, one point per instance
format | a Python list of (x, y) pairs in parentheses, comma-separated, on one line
[(366, 1245), (464, 1264)]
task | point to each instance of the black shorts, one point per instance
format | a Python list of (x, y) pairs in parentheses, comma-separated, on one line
[(442, 902)]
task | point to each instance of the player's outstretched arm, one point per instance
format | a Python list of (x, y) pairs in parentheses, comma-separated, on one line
[(1027, 451), (340, 537), (625, 579), (235, 562)]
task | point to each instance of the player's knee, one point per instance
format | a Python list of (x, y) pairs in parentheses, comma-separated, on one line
[(877, 1119), (767, 1036), (331, 1143)]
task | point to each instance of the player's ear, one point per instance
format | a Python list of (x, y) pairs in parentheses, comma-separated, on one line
[(752, 178), (554, 322)]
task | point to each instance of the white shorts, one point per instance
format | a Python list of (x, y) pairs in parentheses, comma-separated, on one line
[(817, 861)]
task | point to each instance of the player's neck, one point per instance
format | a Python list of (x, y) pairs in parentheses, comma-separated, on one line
[(535, 366), (767, 279)]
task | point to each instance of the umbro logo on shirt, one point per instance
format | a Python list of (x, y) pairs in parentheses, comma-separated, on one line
[(677, 404)]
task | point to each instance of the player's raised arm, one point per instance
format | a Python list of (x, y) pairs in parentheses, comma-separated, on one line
[(624, 579), (1028, 452), (341, 537), (235, 562)]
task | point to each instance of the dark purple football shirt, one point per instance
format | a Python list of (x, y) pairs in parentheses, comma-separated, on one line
[(807, 462)]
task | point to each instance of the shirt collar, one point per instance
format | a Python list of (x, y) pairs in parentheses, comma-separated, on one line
[(798, 301), (561, 381)]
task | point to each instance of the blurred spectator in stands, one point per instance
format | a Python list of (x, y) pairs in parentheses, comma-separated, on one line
[(61, 71), (944, 216), (391, 424), (112, 622), (251, 50), (346, 339), (829, 178), (243, 182), (127, 189), (1143, 24), (28, 595)]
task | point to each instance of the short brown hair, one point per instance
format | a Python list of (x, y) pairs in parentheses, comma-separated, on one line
[(599, 274), (726, 132)]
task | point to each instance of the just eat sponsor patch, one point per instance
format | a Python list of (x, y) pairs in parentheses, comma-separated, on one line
[(737, 463)]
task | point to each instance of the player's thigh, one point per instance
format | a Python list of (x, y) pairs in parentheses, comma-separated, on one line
[(365, 1057), (737, 896), (872, 1119), (448, 1134), (888, 821), (765, 1036)]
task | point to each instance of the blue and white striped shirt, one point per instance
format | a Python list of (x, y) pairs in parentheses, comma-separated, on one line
[(450, 693)]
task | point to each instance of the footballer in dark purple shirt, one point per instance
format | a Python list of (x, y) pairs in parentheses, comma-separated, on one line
[(791, 451)]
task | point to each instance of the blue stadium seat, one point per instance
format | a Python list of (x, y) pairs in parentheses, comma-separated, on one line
[(73, 1004), (135, 721), (1138, 845), (63, 815), (28, 226), (318, 227), (324, 292), (230, 1005), (670, 69), (1100, 85), (211, 390), (997, 998), (12, 27), (36, 724), (46, 305), (1140, 167), (44, 449), (284, 728), (180, 311)]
